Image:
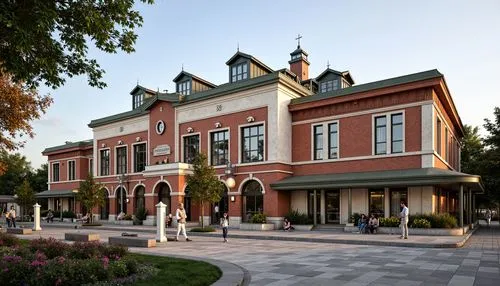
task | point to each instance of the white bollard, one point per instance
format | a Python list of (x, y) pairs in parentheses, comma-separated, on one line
[(36, 223), (160, 222)]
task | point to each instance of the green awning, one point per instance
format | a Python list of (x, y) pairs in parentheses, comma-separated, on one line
[(56, 194), (380, 179)]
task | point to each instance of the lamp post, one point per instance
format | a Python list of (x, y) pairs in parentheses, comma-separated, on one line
[(229, 171), (121, 178), (15, 200)]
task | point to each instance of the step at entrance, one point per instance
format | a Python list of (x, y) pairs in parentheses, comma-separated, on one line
[(330, 227)]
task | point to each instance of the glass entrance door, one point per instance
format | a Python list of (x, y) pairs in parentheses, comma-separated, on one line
[(332, 207)]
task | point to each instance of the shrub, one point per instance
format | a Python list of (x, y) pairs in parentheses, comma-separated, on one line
[(51, 247), (421, 223), (8, 240), (443, 220), (141, 213), (355, 218), (258, 218), (389, 221), (296, 217), (204, 229), (68, 214)]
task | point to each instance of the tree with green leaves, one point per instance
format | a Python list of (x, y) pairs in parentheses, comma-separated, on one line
[(491, 162), (204, 187), (472, 150), (25, 197), (38, 178), (90, 195), (47, 41), (17, 169)]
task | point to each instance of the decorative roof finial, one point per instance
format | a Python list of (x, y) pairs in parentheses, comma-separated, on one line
[(238, 46), (137, 81), (327, 64), (298, 40), (182, 67)]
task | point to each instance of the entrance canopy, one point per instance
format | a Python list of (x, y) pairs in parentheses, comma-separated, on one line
[(56, 194), (392, 178)]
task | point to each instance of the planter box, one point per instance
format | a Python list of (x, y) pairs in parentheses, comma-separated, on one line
[(416, 231), (81, 236), (303, 227), (256, 226), (124, 222)]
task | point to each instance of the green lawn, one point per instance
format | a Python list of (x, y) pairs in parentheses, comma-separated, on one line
[(176, 271)]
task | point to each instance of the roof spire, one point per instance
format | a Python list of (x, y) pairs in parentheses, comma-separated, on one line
[(182, 67), (238, 46), (298, 40), (327, 64)]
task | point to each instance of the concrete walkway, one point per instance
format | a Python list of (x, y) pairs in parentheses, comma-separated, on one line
[(303, 236)]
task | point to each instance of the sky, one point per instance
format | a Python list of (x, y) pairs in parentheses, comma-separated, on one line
[(374, 40)]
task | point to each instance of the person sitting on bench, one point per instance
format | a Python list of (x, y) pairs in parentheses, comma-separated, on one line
[(84, 219), (373, 223), (50, 216), (287, 226), (362, 224)]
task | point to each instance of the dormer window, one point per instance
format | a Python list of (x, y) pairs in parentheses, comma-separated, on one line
[(239, 72), (138, 100), (330, 85), (184, 87)]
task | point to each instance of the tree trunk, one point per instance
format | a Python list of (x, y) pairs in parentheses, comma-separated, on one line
[(202, 214)]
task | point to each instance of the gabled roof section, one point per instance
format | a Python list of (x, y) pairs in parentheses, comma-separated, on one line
[(430, 74), (298, 51), (139, 87), (185, 73), (168, 97), (344, 74), (70, 145), (247, 56)]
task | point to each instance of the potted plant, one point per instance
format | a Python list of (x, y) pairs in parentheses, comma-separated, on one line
[(257, 222)]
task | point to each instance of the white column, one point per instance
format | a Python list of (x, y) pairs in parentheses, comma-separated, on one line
[(36, 223), (160, 222)]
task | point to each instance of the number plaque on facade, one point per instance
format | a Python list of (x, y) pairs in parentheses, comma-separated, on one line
[(161, 150)]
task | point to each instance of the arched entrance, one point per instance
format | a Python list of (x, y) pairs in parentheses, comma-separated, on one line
[(253, 199), (140, 202), (187, 203), (121, 200), (104, 209), (223, 205), (164, 195)]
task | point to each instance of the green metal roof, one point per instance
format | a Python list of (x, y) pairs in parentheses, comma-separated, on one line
[(68, 145), (252, 58), (345, 74), (370, 86), (182, 73), (56, 194), (375, 179)]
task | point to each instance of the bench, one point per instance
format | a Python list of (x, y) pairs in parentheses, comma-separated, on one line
[(19, 230), (78, 236), (132, 241)]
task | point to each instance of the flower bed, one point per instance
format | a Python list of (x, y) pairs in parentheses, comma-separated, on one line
[(52, 262)]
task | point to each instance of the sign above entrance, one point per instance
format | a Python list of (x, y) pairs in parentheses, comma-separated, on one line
[(161, 150)]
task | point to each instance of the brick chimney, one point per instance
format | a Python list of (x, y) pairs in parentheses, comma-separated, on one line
[(299, 64)]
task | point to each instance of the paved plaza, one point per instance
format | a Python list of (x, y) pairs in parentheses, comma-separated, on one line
[(275, 262)]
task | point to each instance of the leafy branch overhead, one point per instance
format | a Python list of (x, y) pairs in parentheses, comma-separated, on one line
[(45, 41)]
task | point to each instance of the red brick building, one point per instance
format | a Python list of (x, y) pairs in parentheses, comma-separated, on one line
[(320, 145)]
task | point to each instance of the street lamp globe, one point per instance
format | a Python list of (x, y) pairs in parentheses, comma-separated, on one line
[(230, 182)]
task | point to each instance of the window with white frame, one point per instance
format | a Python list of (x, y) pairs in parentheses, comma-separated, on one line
[(446, 145), (333, 141), (91, 166), (318, 142), (191, 147), (239, 72), (71, 170), (104, 159), (219, 147), (184, 87), (121, 160), (438, 136), (139, 157), (330, 85), (138, 100), (252, 144), (55, 172), (393, 135)]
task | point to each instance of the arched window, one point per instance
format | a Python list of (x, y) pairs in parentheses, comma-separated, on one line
[(121, 200), (105, 206), (139, 198), (164, 195), (253, 200)]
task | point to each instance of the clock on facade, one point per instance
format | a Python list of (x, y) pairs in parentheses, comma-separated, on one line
[(160, 127)]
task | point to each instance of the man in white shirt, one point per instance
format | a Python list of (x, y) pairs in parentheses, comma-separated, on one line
[(180, 215), (404, 220), (12, 216)]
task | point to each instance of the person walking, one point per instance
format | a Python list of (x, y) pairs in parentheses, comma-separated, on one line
[(404, 220), (224, 222), (12, 216), (181, 216), (487, 216)]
